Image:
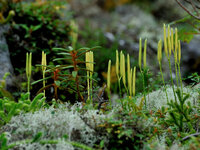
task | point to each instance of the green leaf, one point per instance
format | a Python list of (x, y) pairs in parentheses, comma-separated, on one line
[(102, 144), (34, 28), (57, 83), (35, 100), (11, 113), (186, 32), (67, 67), (64, 53), (74, 74), (41, 102), (187, 27), (58, 59), (40, 80), (2, 116), (61, 49)]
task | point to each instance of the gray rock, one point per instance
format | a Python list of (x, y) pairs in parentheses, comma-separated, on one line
[(5, 63), (191, 56)]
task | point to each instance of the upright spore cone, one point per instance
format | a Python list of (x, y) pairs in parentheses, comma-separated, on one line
[(169, 40), (145, 54), (140, 54), (108, 75), (159, 52), (117, 63), (165, 40)]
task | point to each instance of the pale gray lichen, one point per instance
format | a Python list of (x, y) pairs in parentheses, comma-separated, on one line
[(35, 146), (54, 124), (157, 99)]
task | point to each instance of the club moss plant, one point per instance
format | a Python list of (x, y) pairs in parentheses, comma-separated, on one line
[(43, 63), (108, 79), (28, 71), (166, 109), (167, 43), (89, 58), (143, 70), (159, 57), (126, 73), (9, 108)]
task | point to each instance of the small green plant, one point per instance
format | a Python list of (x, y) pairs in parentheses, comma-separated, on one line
[(121, 74), (194, 77), (126, 130), (9, 108), (39, 26), (69, 81), (89, 58), (180, 113), (73, 57), (168, 51), (143, 69)]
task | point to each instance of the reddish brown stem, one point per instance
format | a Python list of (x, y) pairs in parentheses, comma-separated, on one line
[(74, 56)]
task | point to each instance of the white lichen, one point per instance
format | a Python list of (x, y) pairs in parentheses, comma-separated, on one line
[(55, 123), (157, 99)]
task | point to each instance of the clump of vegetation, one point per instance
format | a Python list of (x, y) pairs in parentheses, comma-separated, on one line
[(54, 120), (37, 26)]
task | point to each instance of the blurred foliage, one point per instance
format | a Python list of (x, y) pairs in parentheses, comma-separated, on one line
[(3, 91), (93, 38), (9, 108), (188, 27), (37, 26), (111, 4)]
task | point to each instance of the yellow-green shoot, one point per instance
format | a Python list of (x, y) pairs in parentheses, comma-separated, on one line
[(117, 68), (108, 78), (44, 63), (129, 74), (143, 70), (134, 81), (89, 58), (28, 71), (140, 54), (168, 46), (159, 57)]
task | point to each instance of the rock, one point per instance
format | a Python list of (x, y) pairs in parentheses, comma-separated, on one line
[(191, 56), (5, 63)]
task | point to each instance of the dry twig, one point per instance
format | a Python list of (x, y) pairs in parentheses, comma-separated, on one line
[(194, 6)]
